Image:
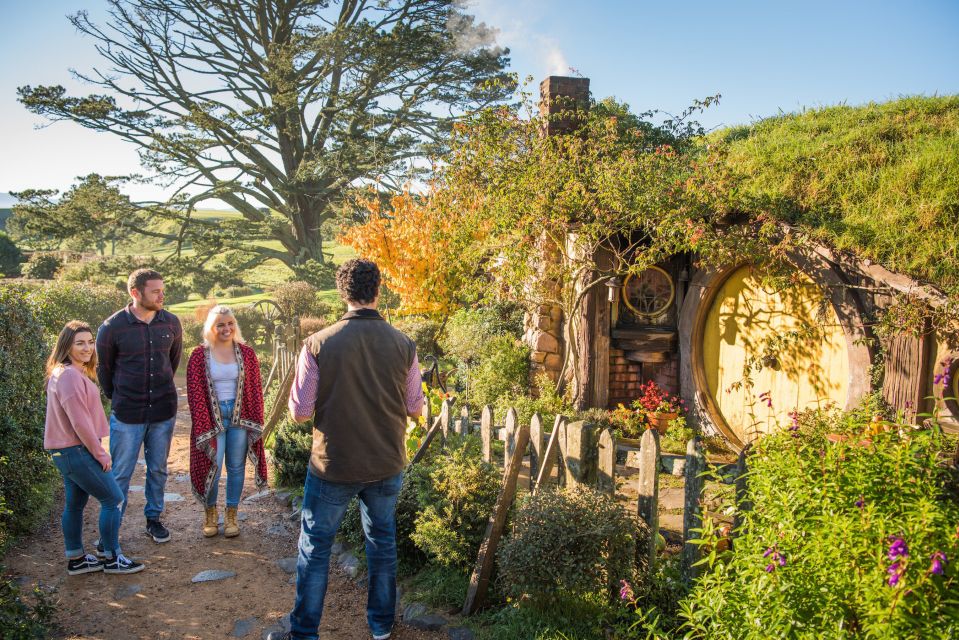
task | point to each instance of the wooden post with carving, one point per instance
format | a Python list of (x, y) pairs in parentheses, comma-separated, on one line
[(463, 424), (648, 489), (479, 580), (692, 505)]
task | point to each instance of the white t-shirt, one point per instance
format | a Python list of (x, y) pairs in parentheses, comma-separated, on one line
[(224, 379)]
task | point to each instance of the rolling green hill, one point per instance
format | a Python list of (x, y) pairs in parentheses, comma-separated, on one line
[(881, 180)]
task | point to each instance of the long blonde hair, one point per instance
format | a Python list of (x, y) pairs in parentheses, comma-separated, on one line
[(209, 335), (60, 355)]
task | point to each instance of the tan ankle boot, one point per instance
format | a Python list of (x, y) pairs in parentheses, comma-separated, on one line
[(211, 527), (231, 528)]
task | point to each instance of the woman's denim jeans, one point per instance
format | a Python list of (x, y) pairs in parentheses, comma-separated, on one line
[(230, 446), (83, 477), (324, 504)]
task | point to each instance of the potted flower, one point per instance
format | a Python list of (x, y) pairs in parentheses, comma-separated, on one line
[(659, 406)]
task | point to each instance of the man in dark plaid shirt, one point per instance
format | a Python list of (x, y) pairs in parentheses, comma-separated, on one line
[(139, 350)]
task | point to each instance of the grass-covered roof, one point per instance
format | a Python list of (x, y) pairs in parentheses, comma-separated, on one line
[(881, 180)]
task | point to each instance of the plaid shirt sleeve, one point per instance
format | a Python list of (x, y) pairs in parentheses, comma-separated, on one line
[(305, 385), (414, 388)]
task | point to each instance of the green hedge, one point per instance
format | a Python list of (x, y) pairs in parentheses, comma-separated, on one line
[(26, 475), (59, 302)]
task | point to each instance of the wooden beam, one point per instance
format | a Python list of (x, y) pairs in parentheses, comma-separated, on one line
[(606, 469), (692, 506), (486, 432), (536, 445), (552, 454), (479, 580), (648, 488)]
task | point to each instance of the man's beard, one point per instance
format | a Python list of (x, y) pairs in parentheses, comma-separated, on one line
[(151, 306)]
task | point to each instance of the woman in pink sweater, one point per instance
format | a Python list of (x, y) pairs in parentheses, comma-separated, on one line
[(75, 424)]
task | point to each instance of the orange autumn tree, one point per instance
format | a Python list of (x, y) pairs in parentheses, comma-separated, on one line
[(420, 251)]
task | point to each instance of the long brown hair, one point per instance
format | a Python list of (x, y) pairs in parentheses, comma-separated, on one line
[(61, 350)]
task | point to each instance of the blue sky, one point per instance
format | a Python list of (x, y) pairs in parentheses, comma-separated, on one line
[(763, 57)]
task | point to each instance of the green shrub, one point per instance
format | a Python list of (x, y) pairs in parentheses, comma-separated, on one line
[(192, 332), (547, 403), (58, 302), (298, 299), (310, 325), (26, 475), (23, 620), (423, 330), (457, 503), (291, 453), (574, 541), (503, 371), (469, 331), (842, 540), (42, 266), (10, 257), (257, 330)]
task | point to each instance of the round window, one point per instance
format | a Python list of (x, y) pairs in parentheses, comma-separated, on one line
[(649, 294)]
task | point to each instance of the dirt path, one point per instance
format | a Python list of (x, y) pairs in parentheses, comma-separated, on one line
[(161, 601)]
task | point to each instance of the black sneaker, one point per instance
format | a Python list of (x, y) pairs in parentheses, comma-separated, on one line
[(84, 564), (122, 564), (157, 531), (100, 552)]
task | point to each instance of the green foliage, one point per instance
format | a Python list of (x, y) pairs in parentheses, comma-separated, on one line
[(26, 475), (58, 302), (547, 403), (469, 331), (113, 272), (21, 619), (503, 371), (423, 330), (291, 453), (575, 541), (92, 214), (457, 503), (817, 556), (298, 299), (321, 275), (439, 587), (570, 618), (42, 266), (881, 180), (10, 256)]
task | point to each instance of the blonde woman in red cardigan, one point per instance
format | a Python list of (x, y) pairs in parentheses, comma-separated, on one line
[(226, 405)]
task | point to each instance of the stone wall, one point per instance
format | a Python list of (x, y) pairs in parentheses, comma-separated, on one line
[(544, 335)]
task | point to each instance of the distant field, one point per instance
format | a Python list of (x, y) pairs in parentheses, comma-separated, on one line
[(187, 308)]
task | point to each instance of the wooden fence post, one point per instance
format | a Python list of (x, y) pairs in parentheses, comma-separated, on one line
[(560, 426), (427, 413), (486, 432), (648, 489), (581, 453), (552, 454), (606, 473), (692, 505), (479, 580), (464, 424), (446, 413), (743, 503), (536, 442), (509, 438)]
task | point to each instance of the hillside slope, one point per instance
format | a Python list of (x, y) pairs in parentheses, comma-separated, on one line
[(881, 180)]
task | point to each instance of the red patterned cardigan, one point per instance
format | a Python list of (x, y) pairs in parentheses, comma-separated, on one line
[(207, 422)]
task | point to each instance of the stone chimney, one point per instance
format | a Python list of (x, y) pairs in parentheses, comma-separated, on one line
[(564, 101)]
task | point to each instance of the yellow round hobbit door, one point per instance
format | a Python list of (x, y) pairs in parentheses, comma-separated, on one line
[(649, 294), (768, 353)]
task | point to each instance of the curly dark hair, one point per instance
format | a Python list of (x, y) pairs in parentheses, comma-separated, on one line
[(358, 280)]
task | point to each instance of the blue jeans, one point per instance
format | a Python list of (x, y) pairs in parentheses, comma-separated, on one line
[(83, 477), (231, 446), (324, 504), (125, 442)]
